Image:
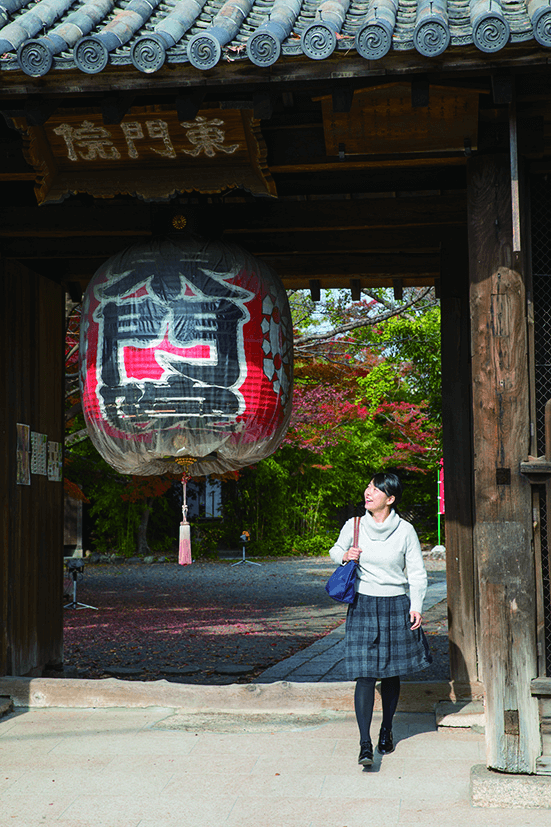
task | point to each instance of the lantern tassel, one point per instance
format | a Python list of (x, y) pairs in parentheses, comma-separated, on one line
[(184, 548)]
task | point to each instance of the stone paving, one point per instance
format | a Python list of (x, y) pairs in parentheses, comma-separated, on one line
[(158, 767), (213, 622), (324, 659), (282, 752)]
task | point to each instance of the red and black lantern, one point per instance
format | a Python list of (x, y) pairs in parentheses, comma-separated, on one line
[(186, 358)]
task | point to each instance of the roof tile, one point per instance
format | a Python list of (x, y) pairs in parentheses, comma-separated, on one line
[(41, 36)]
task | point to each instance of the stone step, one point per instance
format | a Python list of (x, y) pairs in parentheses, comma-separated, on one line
[(460, 714), (6, 705), (500, 790)]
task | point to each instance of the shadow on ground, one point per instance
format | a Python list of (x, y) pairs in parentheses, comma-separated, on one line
[(208, 623)]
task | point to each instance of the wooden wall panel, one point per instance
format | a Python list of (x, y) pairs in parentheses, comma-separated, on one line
[(31, 517)]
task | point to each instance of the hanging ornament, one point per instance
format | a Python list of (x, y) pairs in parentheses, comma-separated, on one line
[(184, 544), (186, 355)]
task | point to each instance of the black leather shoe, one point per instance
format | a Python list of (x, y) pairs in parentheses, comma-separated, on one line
[(386, 742), (366, 754)]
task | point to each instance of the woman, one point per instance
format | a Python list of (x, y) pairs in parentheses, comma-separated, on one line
[(384, 638)]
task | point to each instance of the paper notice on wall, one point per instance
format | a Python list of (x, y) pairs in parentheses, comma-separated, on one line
[(23, 472), (55, 461), (39, 453)]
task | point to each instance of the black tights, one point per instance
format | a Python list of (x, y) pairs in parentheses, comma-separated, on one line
[(364, 698)]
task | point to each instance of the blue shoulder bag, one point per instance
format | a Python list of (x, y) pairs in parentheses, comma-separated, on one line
[(341, 584)]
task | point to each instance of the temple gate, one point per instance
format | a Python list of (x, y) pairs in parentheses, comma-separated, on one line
[(348, 144)]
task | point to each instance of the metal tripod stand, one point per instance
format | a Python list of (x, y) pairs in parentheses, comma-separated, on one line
[(75, 566), (245, 537)]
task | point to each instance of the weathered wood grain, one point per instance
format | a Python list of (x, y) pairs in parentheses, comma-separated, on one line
[(458, 471), (31, 517), (542, 686), (382, 120), (502, 504)]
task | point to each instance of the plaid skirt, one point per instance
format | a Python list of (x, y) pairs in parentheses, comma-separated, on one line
[(379, 642)]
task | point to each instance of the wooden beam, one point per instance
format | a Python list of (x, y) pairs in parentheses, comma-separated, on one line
[(18, 176), (356, 289), (375, 213), (392, 179), (342, 95), (188, 103), (114, 106), (76, 273), (541, 686), (298, 282), (502, 501), (72, 247), (354, 265), (308, 264), (371, 163), (502, 87), (262, 217), (315, 290), (353, 242), (398, 239), (74, 289), (420, 92), (287, 74), (359, 241), (64, 221), (398, 286)]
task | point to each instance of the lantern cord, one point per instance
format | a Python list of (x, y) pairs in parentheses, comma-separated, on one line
[(184, 548)]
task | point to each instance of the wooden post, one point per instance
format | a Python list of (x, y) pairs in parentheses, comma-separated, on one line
[(31, 515), (502, 502), (458, 462)]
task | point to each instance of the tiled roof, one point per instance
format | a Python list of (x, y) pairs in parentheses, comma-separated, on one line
[(38, 36)]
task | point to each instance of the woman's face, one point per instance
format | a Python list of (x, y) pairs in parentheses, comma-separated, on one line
[(376, 501)]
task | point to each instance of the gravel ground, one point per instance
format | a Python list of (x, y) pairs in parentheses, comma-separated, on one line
[(209, 623)]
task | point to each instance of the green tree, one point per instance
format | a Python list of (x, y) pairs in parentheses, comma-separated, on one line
[(366, 397), (411, 345)]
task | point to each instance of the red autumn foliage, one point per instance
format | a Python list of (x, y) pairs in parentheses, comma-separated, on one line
[(142, 488), (74, 491), (319, 412), (413, 436)]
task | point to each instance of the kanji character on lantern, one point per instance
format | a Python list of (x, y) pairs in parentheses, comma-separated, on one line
[(186, 353)]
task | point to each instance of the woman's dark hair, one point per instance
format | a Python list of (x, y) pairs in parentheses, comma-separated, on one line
[(390, 484)]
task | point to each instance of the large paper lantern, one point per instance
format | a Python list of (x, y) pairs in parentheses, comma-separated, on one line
[(186, 358)]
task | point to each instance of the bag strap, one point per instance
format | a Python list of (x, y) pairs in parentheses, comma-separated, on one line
[(356, 531)]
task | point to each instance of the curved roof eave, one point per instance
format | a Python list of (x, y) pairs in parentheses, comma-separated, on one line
[(45, 37)]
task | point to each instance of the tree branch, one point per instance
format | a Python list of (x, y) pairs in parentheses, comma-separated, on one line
[(358, 323), (71, 352), (78, 436), (73, 411)]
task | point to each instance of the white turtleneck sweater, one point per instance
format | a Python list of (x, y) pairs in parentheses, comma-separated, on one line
[(391, 558)]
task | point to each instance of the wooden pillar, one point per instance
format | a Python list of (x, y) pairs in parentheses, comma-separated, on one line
[(31, 515), (503, 548), (458, 462)]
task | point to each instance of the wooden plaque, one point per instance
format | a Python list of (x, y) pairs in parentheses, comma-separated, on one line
[(382, 121), (150, 154)]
